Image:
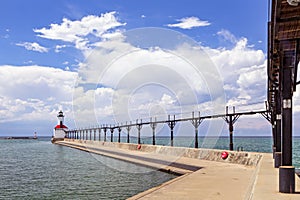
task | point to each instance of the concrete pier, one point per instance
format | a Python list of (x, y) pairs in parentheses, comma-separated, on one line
[(204, 174)]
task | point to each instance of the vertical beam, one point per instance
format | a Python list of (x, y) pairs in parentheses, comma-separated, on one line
[(95, 134), (111, 134), (196, 123), (139, 127), (277, 156), (128, 132), (230, 133), (99, 132), (287, 112), (153, 126), (90, 134), (287, 171), (171, 124), (119, 138), (231, 119), (105, 130)]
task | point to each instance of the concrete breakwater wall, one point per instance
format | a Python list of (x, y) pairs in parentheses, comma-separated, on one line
[(234, 157)]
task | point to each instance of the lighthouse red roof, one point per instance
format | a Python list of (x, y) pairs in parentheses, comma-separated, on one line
[(60, 126)]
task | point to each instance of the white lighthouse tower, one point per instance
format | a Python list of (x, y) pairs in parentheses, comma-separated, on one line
[(60, 130)]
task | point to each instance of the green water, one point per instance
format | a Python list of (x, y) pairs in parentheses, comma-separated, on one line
[(37, 169)]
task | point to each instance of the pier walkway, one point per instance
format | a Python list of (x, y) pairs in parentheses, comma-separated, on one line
[(200, 178)]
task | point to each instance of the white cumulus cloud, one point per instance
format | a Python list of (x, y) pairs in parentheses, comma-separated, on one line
[(227, 35), (33, 46), (138, 83), (30, 93), (79, 31), (59, 47), (145, 81), (189, 23)]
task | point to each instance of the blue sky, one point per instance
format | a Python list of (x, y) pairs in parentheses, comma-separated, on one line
[(42, 57), (19, 18)]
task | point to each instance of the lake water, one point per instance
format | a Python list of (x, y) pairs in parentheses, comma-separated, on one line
[(37, 169)]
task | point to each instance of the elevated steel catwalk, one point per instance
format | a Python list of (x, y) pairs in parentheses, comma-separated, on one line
[(230, 118)]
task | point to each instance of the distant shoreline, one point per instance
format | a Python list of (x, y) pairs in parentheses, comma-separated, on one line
[(190, 136), (18, 138)]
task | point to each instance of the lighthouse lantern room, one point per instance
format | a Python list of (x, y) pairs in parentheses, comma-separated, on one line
[(60, 130)]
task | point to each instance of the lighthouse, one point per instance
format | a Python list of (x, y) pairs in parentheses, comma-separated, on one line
[(60, 130)]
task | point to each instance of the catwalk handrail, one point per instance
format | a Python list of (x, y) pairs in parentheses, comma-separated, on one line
[(264, 113)]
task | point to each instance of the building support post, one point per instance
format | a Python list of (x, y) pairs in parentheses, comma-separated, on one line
[(287, 171), (277, 156)]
